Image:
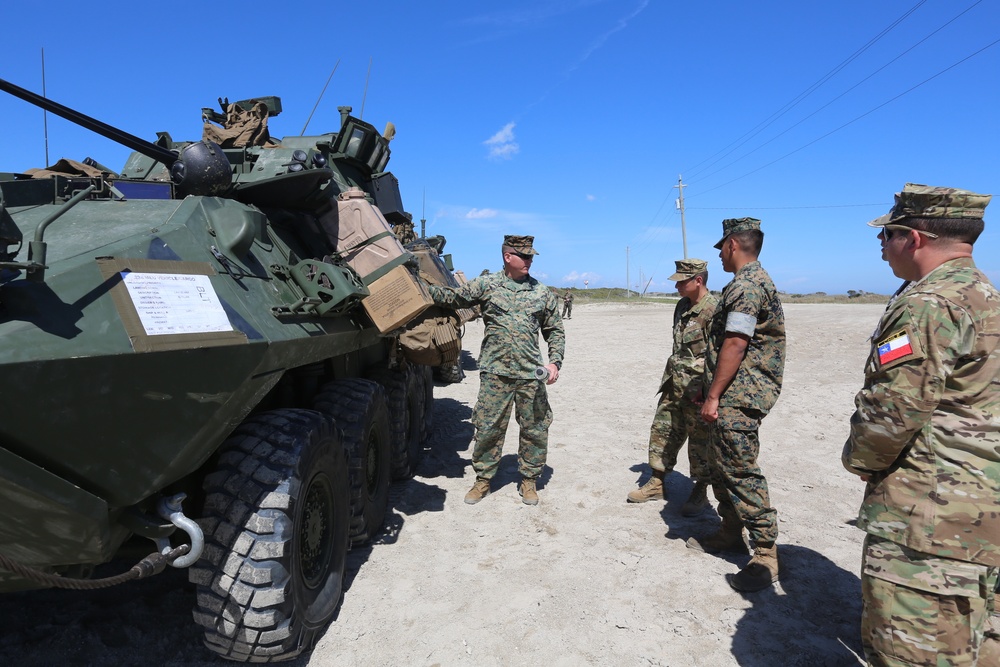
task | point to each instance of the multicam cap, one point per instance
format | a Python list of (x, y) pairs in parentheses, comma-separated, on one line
[(733, 225), (688, 268), (925, 201), (521, 244)]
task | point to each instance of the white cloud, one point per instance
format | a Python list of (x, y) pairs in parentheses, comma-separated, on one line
[(481, 214), (502, 144), (591, 198), (575, 277)]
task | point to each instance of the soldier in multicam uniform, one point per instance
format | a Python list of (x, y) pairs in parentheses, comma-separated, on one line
[(743, 371), (925, 437), (681, 390), (515, 308)]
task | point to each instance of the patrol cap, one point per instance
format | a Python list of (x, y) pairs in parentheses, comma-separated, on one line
[(521, 244), (733, 225), (925, 201), (688, 268)]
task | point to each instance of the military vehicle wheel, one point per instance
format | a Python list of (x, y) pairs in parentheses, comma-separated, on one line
[(406, 410), (423, 377), (449, 373), (359, 408), (276, 519)]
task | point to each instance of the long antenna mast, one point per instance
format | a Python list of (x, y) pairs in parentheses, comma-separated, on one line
[(365, 96), (318, 99), (45, 114), (423, 220)]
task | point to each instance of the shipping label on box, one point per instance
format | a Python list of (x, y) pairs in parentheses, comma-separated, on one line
[(396, 298)]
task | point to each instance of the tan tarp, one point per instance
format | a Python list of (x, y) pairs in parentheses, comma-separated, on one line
[(242, 128), (65, 167)]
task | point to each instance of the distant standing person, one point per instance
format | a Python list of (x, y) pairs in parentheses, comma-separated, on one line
[(515, 308), (743, 369), (925, 436), (568, 305), (677, 417)]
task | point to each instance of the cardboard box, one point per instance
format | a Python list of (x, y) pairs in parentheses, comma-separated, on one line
[(396, 298)]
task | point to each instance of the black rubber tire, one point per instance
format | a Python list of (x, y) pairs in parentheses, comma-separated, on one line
[(358, 407), (423, 381), (406, 410), (449, 373), (276, 519)]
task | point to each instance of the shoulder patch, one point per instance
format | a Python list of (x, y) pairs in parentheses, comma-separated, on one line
[(896, 346)]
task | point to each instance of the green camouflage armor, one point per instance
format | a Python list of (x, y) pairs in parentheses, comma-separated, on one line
[(514, 313), (926, 433), (749, 305), (677, 416)]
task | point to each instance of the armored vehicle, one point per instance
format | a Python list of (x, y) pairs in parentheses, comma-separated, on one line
[(203, 351)]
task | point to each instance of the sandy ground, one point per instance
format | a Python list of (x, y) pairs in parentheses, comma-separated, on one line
[(583, 578)]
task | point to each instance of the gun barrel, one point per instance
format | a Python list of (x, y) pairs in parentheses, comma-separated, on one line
[(147, 148)]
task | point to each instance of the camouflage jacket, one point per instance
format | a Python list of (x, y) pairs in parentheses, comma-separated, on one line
[(682, 378), (749, 305), (927, 424), (513, 314)]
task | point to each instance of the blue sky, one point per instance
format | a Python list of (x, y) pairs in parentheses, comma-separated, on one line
[(569, 119)]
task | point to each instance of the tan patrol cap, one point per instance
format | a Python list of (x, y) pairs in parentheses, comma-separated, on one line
[(688, 268), (925, 201), (521, 244), (733, 225)]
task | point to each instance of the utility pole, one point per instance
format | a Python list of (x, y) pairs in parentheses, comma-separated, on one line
[(627, 288), (680, 204), (423, 220)]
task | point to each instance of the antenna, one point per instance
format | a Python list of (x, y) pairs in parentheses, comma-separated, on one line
[(318, 99), (365, 95), (45, 114), (423, 220)]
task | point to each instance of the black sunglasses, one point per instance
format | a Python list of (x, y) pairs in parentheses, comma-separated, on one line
[(523, 256)]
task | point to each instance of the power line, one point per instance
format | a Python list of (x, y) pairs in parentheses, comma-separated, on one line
[(781, 208), (792, 127), (767, 122), (854, 120)]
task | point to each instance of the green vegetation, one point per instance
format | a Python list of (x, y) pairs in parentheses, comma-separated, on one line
[(618, 295)]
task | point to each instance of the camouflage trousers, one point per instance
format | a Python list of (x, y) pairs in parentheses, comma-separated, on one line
[(567, 310), (492, 413), (737, 481), (924, 610), (675, 421)]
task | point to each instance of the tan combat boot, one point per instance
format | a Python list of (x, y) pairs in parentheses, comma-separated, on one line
[(479, 490), (651, 490), (697, 502), (728, 539), (760, 572), (527, 490)]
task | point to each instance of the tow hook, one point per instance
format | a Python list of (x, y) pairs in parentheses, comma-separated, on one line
[(170, 509)]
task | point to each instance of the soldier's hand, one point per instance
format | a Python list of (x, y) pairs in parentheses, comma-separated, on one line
[(553, 373), (710, 410)]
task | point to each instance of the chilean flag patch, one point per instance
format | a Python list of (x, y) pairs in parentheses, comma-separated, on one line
[(896, 346)]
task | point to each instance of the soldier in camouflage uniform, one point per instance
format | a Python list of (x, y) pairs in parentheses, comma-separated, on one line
[(567, 312), (925, 438), (743, 371), (515, 308), (677, 415)]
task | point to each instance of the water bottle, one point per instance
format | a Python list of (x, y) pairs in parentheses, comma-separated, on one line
[(542, 374)]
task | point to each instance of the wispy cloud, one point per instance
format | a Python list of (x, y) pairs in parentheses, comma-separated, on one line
[(502, 145), (481, 213), (578, 277), (591, 198), (601, 39)]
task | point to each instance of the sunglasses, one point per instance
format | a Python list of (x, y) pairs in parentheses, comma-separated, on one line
[(888, 230), (526, 258)]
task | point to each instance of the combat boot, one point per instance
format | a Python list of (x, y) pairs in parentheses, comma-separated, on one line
[(479, 490), (651, 490), (527, 490), (728, 539), (697, 502), (760, 572)]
